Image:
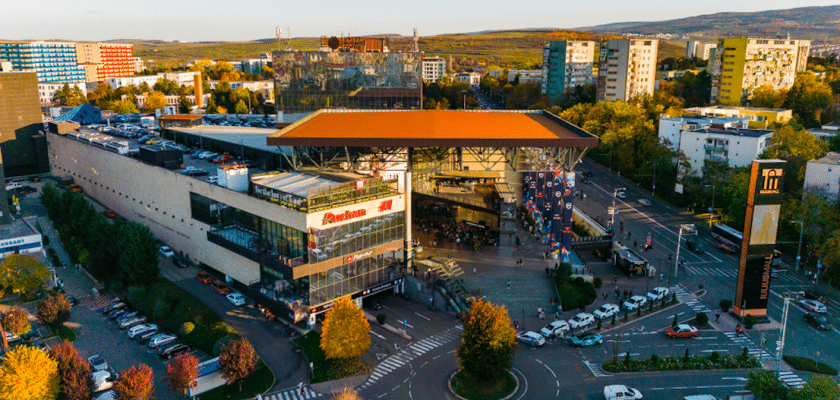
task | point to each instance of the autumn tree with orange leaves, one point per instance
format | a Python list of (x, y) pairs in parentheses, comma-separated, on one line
[(182, 372), (488, 342)]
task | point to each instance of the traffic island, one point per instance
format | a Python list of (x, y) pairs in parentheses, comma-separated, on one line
[(324, 369), (686, 362), (467, 387)]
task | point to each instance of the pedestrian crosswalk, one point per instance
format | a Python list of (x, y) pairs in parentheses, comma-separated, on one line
[(293, 393), (791, 379), (680, 292), (595, 369), (695, 304), (410, 352), (745, 341), (95, 304), (731, 273)]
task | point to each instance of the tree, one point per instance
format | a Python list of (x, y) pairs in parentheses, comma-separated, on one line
[(488, 341), (818, 387), (765, 96), (809, 99), (22, 273), (184, 106), (787, 142), (74, 372), (167, 86), (139, 258), (135, 383), (124, 107), (241, 107), (347, 394), (237, 361), (54, 309), (182, 372), (144, 88), (346, 332), (734, 197), (765, 385), (154, 101), (16, 320), (28, 373)]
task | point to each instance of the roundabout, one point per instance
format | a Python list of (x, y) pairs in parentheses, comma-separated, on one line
[(501, 388)]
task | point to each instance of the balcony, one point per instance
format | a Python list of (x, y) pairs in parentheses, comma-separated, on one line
[(712, 147), (251, 245), (718, 158)]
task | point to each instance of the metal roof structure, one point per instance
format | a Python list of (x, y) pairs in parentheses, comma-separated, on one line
[(83, 114), (296, 183)]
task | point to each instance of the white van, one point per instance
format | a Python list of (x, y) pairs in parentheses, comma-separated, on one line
[(621, 392), (13, 186)]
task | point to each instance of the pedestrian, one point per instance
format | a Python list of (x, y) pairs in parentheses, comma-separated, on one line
[(475, 270), (616, 292), (300, 389), (508, 285), (661, 277), (605, 296), (625, 292), (546, 271), (515, 324), (717, 316), (615, 280)]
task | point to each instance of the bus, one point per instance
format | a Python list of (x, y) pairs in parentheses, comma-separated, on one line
[(728, 236)]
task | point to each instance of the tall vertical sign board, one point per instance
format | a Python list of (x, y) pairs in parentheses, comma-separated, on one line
[(762, 221)]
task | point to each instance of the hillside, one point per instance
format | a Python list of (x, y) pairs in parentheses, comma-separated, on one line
[(820, 24), (511, 49)]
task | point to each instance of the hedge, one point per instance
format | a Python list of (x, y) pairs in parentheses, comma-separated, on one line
[(655, 363), (574, 293), (807, 364)]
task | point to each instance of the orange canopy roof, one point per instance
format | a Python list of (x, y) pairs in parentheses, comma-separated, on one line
[(432, 128), (181, 117)]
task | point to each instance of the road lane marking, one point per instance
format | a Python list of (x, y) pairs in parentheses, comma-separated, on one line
[(423, 316), (378, 335), (697, 387)]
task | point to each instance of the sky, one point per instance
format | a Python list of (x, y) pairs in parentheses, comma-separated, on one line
[(213, 20)]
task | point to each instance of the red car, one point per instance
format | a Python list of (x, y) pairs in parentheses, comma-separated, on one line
[(204, 278), (681, 331), (219, 287)]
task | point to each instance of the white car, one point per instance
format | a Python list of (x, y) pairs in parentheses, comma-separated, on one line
[(814, 306), (635, 302), (621, 392), (621, 194), (166, 251), (581, 320), (532, 338), (236, 299), (644, 202), (555, 329), (606, 311), (102, 381), (139, 329), (97, 363), (658, 293), (161, 339)]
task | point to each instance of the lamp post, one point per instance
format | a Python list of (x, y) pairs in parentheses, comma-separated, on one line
[(712, 210), (799, 248), (612, 215), (679, 242), (464, 93), (781, 350)]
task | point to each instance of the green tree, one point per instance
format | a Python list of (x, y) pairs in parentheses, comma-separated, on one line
[(27, 373), (488, 341), (765, 385), (817, 388), (787, 142), (346, 332), (237, 361), (241, 107), (167, 86), (734, 197), (184, 106), (809, 99), (135, 383), (22, 273), (138, 261), (74, 372), (54, 309), (154, 101), (765, 96), (144, 88), (124, 107)]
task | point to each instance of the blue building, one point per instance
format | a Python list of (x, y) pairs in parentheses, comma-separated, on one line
[(566, 64), (51, 61)]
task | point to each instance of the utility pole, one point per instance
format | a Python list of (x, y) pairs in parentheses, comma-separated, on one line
[(781, 351), (712, 210), (799, 248), (612, 215), (679, 242)]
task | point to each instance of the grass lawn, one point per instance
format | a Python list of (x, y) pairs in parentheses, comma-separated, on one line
[(326, 370), (472, 389), (807, 364), (65, 333), (260, 381)]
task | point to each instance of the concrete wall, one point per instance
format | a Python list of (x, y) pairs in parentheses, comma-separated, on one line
[(824, 177)]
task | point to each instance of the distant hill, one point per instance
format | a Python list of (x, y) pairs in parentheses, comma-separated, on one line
[(820, 24)]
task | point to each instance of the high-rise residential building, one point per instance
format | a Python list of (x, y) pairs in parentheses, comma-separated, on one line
[(433, 68), (51, 61), (698, 49), (566, 64), (741, 65), (24, 150), (105, 60), (626, 68)]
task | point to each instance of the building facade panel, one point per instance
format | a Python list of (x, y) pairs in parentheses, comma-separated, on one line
[(626, 69), (20, 121)]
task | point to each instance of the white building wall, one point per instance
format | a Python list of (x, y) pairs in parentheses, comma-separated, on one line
[(123, 81), (46, 91), (823, 176), (433, 68), (741, 150)]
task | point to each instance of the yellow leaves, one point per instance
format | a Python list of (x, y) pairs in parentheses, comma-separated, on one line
[(346, 332), (28, 373)]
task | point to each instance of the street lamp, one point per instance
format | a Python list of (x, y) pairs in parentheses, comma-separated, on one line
[(612, 215), (712, 210), (688, 227), (464, 92), (799, 248), (783, 328)]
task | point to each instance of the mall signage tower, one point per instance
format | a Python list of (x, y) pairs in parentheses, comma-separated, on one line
[(763, 205)]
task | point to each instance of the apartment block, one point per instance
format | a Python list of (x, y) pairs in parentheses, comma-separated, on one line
[(566, 64), (759, 118), (117, 60), (735, 147), (121, 81), (51, 61), (694, 48), (626, 68), (433, 68), (47, 91), (741, 65)]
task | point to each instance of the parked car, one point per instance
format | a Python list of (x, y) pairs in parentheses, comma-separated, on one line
[(621, 392), (145, 336), (813, 305), (126, 315), (71, 299), (219, 287), (635, 302), (813, 295), (166, 251), (694, 247), (236, 299), (11, 337), (621, 194), (586, 339), (204, 277), (161, 339), (554, 329), (116, 313), (531, 338), (581, 320), (109, 214), (658, 293), (817, 321), (128, 323), (173, 350), (136, 330), (644, 202), (102, 380), (109, 395), (681, 331), (606, 310), (97, 363), (114, 306), (180, 263)]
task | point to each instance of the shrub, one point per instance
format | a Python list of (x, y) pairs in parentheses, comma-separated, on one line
[(136, 294), (46, 240), (381, 319), (807, 364), (187, 328), (750, 321), (564, 270), (702, 319), (598, 282), (161, 309), (579, 281), (725, 305), (714, 357)]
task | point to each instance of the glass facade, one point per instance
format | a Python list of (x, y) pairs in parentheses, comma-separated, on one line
[(353, 277), (355, 236), (307, 81)]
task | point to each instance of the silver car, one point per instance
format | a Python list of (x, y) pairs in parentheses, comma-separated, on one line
[(161, 339)]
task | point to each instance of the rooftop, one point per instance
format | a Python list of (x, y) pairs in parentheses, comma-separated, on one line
[(754, 133), (736, 108), (432, 128), (19, 227), (832, 158), (296, 183), (182, 117), (247, 136)]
